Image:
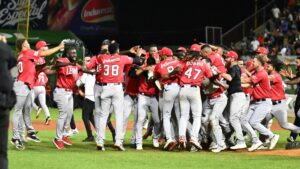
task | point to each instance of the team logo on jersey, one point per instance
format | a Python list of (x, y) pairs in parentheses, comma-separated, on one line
[(72, 70), (95, 11)]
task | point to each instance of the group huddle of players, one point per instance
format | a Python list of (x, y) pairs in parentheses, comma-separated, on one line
[(200, 96)]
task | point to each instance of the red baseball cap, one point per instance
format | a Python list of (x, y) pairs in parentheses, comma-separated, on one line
[(262, 50), (181, 49), (166, 51), (232, 54), (249, 64), (40, 44), (195, 47)]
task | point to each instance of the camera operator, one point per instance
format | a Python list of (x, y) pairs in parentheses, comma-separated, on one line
[(7, 97)]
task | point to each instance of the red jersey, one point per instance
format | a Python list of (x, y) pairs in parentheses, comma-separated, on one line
[(41, 79), (131, 84), (194, 71), (262, 88), (67, 75), (277, 88), (26, 66), (246, 90), (218, 62), (148, 88), (94, 64), (112, 67), (166, 67)]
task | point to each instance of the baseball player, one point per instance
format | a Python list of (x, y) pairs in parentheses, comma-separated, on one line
[(216, 102), (22, 88), (261, 104), (147, 100), (168, 78), (109, 91), (279, 108), (237, 98), (67, 75), (248, 90), (192, 73), (131, 94), (41, 81)]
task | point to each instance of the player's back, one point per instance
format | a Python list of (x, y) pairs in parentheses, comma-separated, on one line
[(112, 67)]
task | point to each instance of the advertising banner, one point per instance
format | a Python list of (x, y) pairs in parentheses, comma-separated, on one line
[(11, 13), (82, 17)]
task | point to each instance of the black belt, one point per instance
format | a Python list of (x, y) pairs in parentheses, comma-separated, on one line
[(257, 100), (188, 85), (105, 84), (147, 94), (276, 102)]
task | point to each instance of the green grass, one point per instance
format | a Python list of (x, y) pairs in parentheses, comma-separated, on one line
[(85, 156)]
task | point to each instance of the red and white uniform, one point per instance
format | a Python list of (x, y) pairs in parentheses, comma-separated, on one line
[(191, 78), (166, 67), (147, 88), (147, 101), (67, 75), (218, 62), (170, 93), (41, 79), (112, 68), (26, 66), (109, 88), (193, 72), (130, 100), (277, 88), (261, 88)]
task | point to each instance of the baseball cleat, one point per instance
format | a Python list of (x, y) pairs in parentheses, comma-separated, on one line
[(17, 143), (139, 147), (219, 149), (263, 147), (89, 139), (290, 139), (274, 141), (48, 120), (255, 146), (155, 143), (213, 145), (119, 147), (173, 146), (58, 144), (66, 141), (196, 144), (100, 145), (75, 131), (168, 144), (238, 146), (181, 143), (33, 137), (193, 149)]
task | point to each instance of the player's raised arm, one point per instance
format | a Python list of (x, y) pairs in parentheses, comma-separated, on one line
[(52, 50)]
